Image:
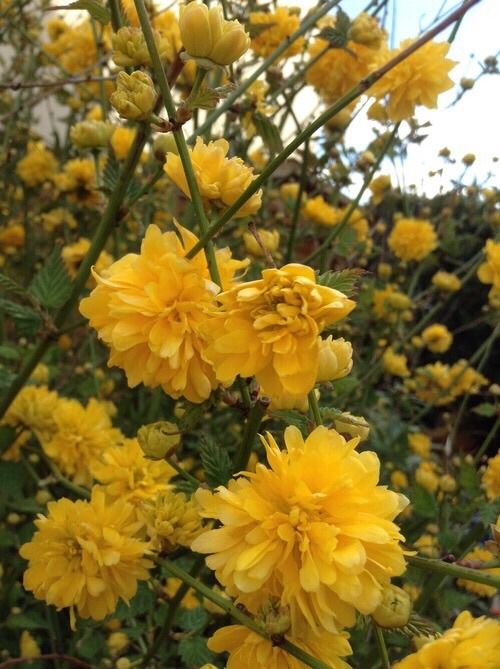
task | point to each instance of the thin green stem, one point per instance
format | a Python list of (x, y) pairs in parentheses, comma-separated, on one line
[(238, 615), (453, 570), (298, 204), (314, 408), (381, 647), (182, 472), (489, 438), (252, 425)]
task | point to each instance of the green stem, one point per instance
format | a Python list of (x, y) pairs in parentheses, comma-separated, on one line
[(200, 76), (180, 140), (182, 472), (238, 615), (116, 18), (298, 204), (314, 408), (251, 428), (172, 608), (489, 438), (381, 647), (453, 570)]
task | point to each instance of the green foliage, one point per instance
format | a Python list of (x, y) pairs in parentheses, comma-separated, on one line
[(192, 620), (52, 284), (338, 36), (194, 652), (216, 463), (99, 13), (269, 133), (424, 502), (26, 319), (344, 281)]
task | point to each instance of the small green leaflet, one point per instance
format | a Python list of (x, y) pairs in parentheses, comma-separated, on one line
[(12, 286), (216, 464), (194, 652), (344, 281), (99, 13), (338, 36), (207, 98), (27, 320), (268, 131), (52, 285)]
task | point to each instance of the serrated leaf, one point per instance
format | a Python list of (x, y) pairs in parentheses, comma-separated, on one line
[(204, 98), (423, 502), (192, 620), (12, 286), (97, 11), (268, 132), (187, 487), (292, 417), (27, 320), (344, 281), (216, 464), (256, 29), (194, 652), (468, 476), (111, 171), (52, 284), (193, 413), (338, 35), (453, 599), (10, 352), (485, 409), (489, 511)]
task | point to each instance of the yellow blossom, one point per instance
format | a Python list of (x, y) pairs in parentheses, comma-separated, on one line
[(13, 237), (282, 23), (395, 608), (121, 141), (335, 359), (314, 528), (269, 238), (172, 520), (426, 476), (365, 29), (220, 179), (130, 49), (73, 254), (437, 338), (417, 80), (74, 47), (388, 301), (446, 282), (28, 646), (135, 95), (379, 187), (148, 309), (394, 363), (56, 218), (84, 555), (480, 589), (78, 180), (489, 271), (420, 444), (270, 327), (81, 435), (189, 601), (427, 545), (470, 643), (399, 479), (412, 239), (206, 34), (317, 210), (127, 475), (91, 134), (38, 165), (117, 642), (491, 478), (352, 426), (33, 409)]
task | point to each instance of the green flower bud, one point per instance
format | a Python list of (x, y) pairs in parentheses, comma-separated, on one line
[(159, 440), (395, 608), (135, 96), (130, 48), (91, 134)]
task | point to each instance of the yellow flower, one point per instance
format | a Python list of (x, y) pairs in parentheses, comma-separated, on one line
[(426, 476), (379, 187), (121, 141), (489, 271), (38, 165), (148, 309), (388, 301), (75, 47), (269, 238), (91, 134), (480, 589), (172, 520), (73, 254), (135, 95), (399, 479), (395, 608), (248, 650), (189, 601), (130, 49), (33, 409), (338, 70), (13, 237), (317, 210), (412, 239), (80, 436), (365, 29), (84, 556), (437, 338), (28, 647), (282, 23), (491, 478), (206, 34), (352, 426), (417, 80), (270, 327), (446, 282), (395, 364), (335, 359), (420, 444), (78, 179), (218, 177), (127, 475), (427, 545), (315, 529), (56, 218), (470, 643)]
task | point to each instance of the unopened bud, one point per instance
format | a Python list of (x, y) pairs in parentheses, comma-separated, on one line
[(135, 96), (91, 134), (159, 440), (395, 608), (130, 49)]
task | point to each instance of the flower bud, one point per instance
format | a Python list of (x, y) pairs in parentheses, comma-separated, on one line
[(335, 359), (469, 159), (91, 134), (395, 608), (135, 96), (130, 49), (269, 238), (117, 641), (159, 440), (354, 426), (206, 34), (273, 618), (366, 30), (447, 483)]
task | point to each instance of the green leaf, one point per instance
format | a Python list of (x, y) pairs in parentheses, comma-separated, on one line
[(292, 417), (6, 377), (216, 464), (454, 599), (423, 502), (468, 476), (12, 286), (194, 652), (193, 413), (338, 36), (27, 621), (11, 479), (485, 409), (111, 171), (489, 511), (52, 284), (256, 29), (344, 281), (192, 620), (10, 352), (99, 13), (27, 320), (268, 131)]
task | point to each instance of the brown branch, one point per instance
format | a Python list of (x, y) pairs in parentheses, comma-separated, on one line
[(17, 85), (49, 656)]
